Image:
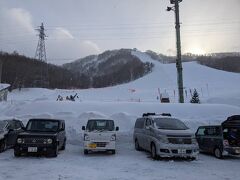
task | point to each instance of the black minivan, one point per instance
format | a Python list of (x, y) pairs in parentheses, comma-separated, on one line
[(221, 139)]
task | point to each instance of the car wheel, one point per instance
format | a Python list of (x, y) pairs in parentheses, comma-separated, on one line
[(85, 151), (113, 151), (55, 153), (64, 145), (192, 158), (17, 153), (153, 151), (137, 147), (218, 153), (3, 145)]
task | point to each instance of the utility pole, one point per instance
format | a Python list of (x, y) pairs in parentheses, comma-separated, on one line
[(40, 55), (175, 8), (1, 64)]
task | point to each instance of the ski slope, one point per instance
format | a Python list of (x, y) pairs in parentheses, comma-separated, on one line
[(219, 94)]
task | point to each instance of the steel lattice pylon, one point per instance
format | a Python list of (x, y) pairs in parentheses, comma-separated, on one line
[(40, 51), (40, 55)]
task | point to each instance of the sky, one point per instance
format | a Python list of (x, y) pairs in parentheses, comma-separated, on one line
[(77, 28)]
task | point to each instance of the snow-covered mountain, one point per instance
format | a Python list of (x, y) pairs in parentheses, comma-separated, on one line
[(219, 93), (111, 67)]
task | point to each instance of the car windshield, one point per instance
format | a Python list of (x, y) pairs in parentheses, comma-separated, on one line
[(100, 125), (231, 133), (170, 124), (43, 125), (2, 125)]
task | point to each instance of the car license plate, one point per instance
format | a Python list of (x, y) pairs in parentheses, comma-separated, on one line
[(237, 151), (181, 151), (93, 145), (32, 149)]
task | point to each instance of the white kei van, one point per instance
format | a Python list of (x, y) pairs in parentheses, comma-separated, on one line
[(99, 135)]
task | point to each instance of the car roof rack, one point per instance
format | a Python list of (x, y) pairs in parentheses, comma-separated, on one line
[(154, 114)]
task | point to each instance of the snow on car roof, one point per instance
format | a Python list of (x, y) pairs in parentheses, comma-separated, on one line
[(164, 95)]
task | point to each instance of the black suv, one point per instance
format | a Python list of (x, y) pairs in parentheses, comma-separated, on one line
[(222, 139), (41, 136), (9, 130)]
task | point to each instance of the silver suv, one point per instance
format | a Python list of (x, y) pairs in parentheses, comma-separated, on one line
[(164, 136)]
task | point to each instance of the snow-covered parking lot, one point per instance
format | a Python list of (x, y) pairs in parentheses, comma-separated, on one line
[(220, 99), (125, 164)]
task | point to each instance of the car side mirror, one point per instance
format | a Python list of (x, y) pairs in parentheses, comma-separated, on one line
[(117, 128), (83, 128), (23, 128)]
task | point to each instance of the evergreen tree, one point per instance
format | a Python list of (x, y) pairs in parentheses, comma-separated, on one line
[(195, 97)]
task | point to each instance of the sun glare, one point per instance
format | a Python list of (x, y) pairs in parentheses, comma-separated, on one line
[(197, 51)]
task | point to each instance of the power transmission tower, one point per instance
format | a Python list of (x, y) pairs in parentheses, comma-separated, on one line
[(175, 8), (41, 56)]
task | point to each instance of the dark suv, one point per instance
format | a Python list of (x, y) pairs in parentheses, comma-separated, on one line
[(41, 136), (9, 130), (221, 139)]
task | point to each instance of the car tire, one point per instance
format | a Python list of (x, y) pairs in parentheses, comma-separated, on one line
[(137, 147), (3, 145), (17, 153), (85, 151), (192, 158), (64, 145), (54, 153), (218, 153), (113, 151), (153, 151)]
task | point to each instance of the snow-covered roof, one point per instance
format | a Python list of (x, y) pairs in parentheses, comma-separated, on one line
[(3, 86), (164, 95)]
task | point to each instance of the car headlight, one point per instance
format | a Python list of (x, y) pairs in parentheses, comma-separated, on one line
[(162, 138), (86, 137), (49, 141), (194, 140), (113, 137), (19, 140)]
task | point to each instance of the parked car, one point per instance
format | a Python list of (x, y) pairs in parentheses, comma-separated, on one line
[(100, 135), (221, 139), (9, 129), (164, 136), (41, 136)]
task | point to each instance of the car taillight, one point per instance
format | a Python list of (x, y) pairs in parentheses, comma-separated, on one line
[(225, 143)]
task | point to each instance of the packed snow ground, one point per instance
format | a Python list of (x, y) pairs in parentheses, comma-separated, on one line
[(219, 93)]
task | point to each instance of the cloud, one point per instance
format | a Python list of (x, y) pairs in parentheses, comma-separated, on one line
[(17, 31), (63, 47), (16, 19), (91, 45), (62, 33), (21, 18)]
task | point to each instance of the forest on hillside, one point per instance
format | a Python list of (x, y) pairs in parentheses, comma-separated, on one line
[(21, 71)]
